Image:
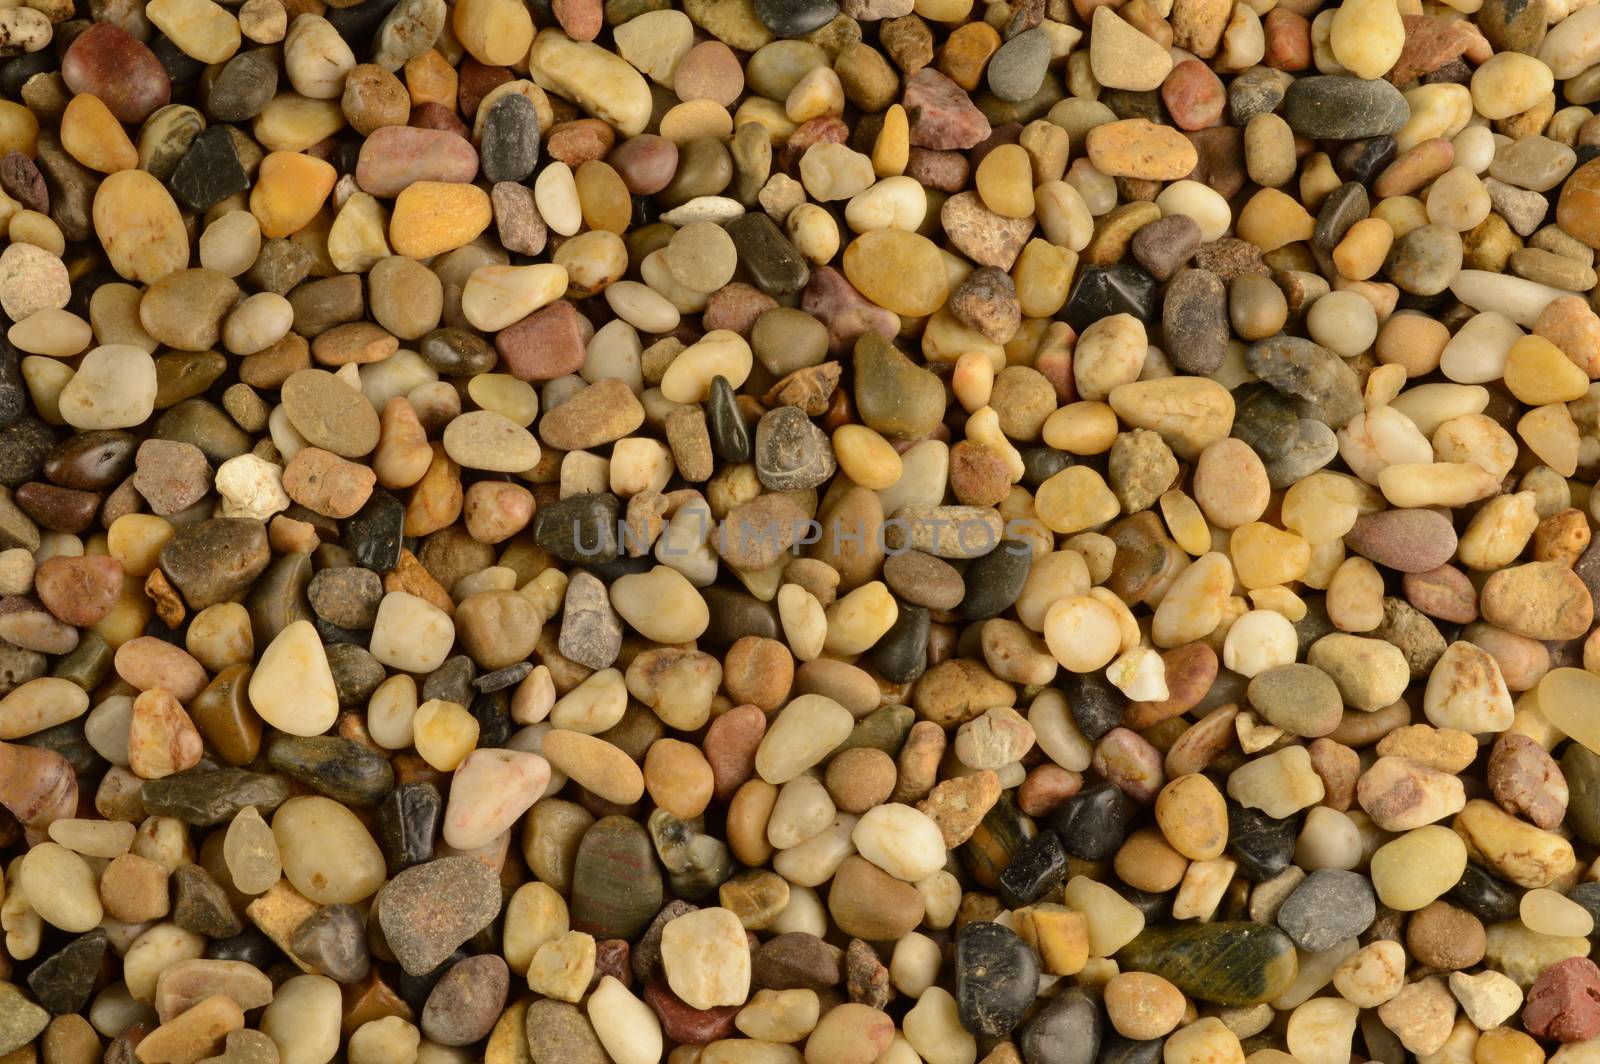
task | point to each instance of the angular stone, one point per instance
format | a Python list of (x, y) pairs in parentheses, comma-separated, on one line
[(334, 941), (429, 910), (201, 905), (63, 981), (209, 171)]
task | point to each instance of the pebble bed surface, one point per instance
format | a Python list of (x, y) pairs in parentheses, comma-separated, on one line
[(799, 531)]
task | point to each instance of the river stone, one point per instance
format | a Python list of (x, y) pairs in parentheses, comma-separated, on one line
[(510, 147), (216, 560), (1227, 963), (200, 904), (997, 977), (210, 171), (1067, 1030), (1262, 845), (375, 536), (616, 883), (1102, 291), (767, 256), (343, 769), (1340, 107), (795, 18), (1194, 319), (901, 656), (591, 631), (559, 1033), (1093, 823), (20, 1019), (1328, 390), (464, 1005), (243, 87), (995, 580), (205, 797), (329, 413), (1017, 70), (893, 394), (1408, 540), (581, 529), (1330, 906), (429, 910), (1038, 868)]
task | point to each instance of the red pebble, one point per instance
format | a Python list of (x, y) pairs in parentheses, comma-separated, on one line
[(1046, 787), (546, 344), (1288, 40), (685, 1025), (1564, 1004), (1194, 95), (730, 746)]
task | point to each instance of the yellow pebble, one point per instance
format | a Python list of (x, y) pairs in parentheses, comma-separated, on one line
[(866, 457), (1082, 428), (1264, 556), (290, 189), (432, 217), (91, 134), (445, 733), (901, 271), (1043, 276), (892, 150), (1005, 181), (1272, 219), (496, 32), (19, 129), (1538, 373), (136, 540), (1364, 247)]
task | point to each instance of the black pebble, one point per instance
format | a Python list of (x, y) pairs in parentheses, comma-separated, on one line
[(1489, 899), (510, 148), (795, 18), (1035, 871), (64, 980), (1093, 823), (902, 654), (994, 581), (1067, 1030), (581, 529), (407, 823), (209, 171), (1095, 705), (374, 535), (730, 434), (1262, 845), (1102, 291), (997, 978)]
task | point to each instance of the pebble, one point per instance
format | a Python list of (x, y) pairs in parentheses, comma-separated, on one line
[(430, 909)]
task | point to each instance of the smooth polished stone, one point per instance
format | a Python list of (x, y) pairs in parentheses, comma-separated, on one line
[(1227, 963)]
